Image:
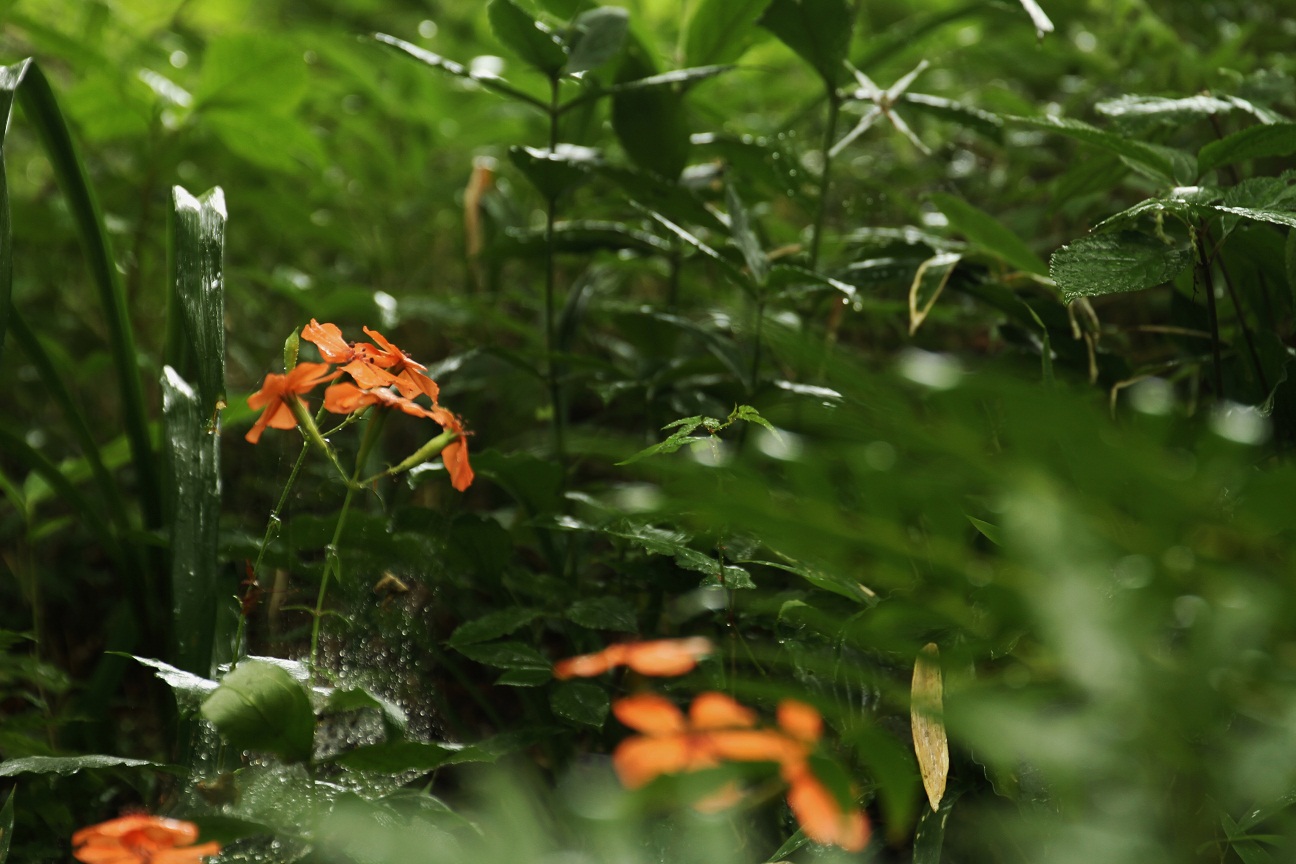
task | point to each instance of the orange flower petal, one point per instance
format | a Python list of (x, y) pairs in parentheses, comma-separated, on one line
[(722, 799), (328, 339), (800, 720), (368, 375), (640, 760), (755, 745), (345, 398), (821, 816), (140, 839), (189, 855), (412, 383), (712, 710), (589, 665), (666, 657), (650, 714)]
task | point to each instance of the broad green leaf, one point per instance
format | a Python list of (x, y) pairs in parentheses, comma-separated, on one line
[(396, 757), (1177, 110), (819, 31), (526, 37), (277, 142), (1254, 142), (987, 123), (1164, 166), (194, 506), (259, 706), (436, 61), (581, 236), (659, 541), (604, 613), (196, 316), (554, 172), (41, 109), (67, 765), (257, 73), (357, 698), (507, 655), (744, 237), (719, 31), (1274, 217), (581, 702), (189, 689), (566, 9), (492, 625), (1038, 18), (649, 123), (1115, 263), (988, 233), (930, 834), (596, 37)]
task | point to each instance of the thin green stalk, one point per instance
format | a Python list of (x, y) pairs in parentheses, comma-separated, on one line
[(825, 178), (1202, 272), (1241, 319), (551, 347), (332, 561)]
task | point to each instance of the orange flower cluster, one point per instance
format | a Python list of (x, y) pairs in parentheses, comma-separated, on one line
[(659, 657), (376, 369), (141, 839), (719, 729)]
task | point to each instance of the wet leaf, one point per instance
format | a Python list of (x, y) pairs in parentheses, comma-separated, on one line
[(526, 37), (596, 37), (604, 613), (66, 765), (189, 689), (925, 717), (197, 250), (719, 31), (929, 281), (492, 626), (581, 702), (649, 123), (554, 172), (1161, 163), (396, 757), (988, 233), (1115, 263), (819, 31), (1254, 142), (358, 698), (259, 706)]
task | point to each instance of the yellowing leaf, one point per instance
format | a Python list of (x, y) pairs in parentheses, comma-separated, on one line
[(925, 709)]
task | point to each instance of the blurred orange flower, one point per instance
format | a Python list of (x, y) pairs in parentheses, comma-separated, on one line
[(719, 729), (141, 839), (658, 657), (277, 391)]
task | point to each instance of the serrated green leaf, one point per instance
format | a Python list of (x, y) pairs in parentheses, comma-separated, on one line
[(719, 31), (1256, 214), (597, 36), (1115, 263), (66, 765), (1157, 161), (506, 655), (819, 31), (604, 613), (581, 702), (988, 233), (491, 626), (259, 706), (526, 37), (1254, 142)]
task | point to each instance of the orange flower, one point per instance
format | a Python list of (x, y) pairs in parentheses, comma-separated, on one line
[(455, 454), (141, 839), (670, 743), (719, 729), (278, 390), (819, 812), (344, 398), (658, 657), (372, 366), (408, 376)]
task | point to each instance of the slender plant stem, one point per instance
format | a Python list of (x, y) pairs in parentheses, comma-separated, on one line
[(1202, 271), (553, 373), (825, 177), (332, 561), (1241, 317)]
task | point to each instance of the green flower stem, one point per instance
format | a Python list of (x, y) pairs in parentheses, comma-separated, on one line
[(551, 347), (418, 457), (311, 433), (332, 562)]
